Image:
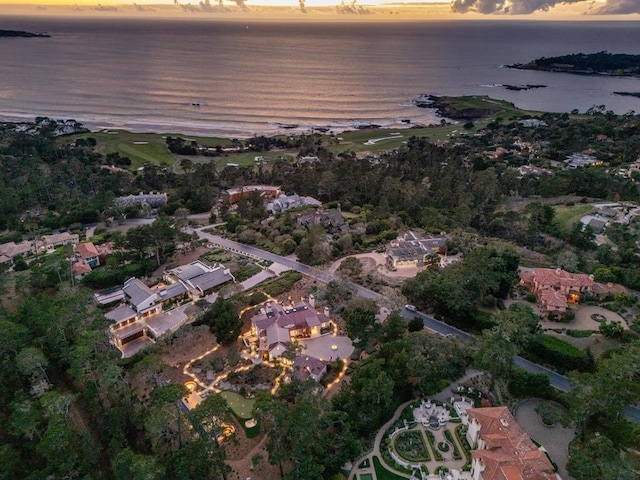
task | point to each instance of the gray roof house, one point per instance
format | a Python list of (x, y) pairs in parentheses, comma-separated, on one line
[(332, 220), (198, 277), (413, 250), (138, 295), (287, 202)]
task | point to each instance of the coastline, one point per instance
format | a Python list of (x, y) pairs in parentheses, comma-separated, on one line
[(239, 130)]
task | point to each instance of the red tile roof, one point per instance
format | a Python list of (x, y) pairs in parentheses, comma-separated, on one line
[(81, 268), (553, 300), (510, 454), (557, 278), (86, 250)]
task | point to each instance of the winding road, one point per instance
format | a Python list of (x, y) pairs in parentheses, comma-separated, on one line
[(557, 381)]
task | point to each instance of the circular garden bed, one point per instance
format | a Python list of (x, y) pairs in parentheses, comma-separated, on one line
[(410, 446)]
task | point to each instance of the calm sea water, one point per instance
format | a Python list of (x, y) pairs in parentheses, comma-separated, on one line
[(245, 78)]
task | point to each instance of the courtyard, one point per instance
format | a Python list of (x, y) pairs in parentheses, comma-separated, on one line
[(423, 440), (327, 347), (583, 317), (556, 438)]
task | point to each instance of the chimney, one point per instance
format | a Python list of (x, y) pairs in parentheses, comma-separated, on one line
[(312, 300), (326, 312)]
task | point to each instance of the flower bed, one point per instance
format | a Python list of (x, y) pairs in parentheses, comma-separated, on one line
[(432, 442), (456, 452), (461, 435), (410, 446)]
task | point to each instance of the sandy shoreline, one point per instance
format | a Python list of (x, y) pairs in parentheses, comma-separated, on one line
[(211, 130)]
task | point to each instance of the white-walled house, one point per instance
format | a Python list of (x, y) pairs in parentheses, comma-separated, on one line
[(501, 450)]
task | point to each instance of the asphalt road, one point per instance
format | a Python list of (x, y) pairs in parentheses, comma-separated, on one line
[(254, 252), (557, 381)]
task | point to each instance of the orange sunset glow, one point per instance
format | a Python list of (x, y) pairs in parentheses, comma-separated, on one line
[(371, 10)]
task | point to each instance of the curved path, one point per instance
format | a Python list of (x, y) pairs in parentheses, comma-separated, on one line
[(557, 381), (555, 439), (373, 141), (375, 452), (443, 396)]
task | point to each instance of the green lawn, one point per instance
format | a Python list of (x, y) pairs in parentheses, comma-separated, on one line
[(245, 159), (142, 147), (150, 147), (366, 476), (566, 216), (384, 474), (139, 147), (484, 102), (355, 140), (143, 153), (241, 406)]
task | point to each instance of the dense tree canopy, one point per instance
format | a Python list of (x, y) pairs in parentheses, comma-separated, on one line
[(223, 321)]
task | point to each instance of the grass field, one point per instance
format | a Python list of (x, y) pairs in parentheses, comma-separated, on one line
[(240, 405), (484, 102), (357, 140), (150, 147), (384, 140), (382, 473), (245, 159), (566, 216), (141, 147)]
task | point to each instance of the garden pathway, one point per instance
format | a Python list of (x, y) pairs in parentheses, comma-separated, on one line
[(375, 452), (444, 396)]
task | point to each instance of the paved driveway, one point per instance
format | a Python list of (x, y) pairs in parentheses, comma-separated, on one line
[(555, 440), (584, 321)]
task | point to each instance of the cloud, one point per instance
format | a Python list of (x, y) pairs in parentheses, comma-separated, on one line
[(511, 7), (616, 7)]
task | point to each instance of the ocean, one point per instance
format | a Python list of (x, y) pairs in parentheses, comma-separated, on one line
[(245, 78)]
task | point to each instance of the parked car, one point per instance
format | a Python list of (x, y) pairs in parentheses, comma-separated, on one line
[(411, 308)]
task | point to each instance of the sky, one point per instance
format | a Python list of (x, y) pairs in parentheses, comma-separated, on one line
[(587, 9)]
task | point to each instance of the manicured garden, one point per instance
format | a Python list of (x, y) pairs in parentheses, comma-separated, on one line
[(432, 442), (384, 474), (456, 452), (410, 446)]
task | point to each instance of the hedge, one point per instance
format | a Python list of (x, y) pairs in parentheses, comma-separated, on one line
[(523, 384), (434, 448), (456, 452), (560, 354)]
